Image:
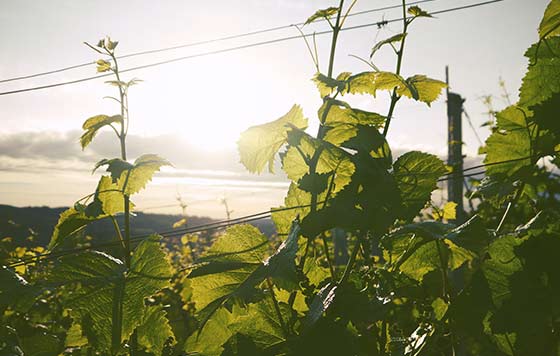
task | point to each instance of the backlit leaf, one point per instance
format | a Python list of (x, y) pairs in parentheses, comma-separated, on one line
[(154, 330), (103, 66), (340, 113), (259, 144), (396, 38), (106, 284), (417, 174), (440, 308), (70, 222), (371, 82), (417, 87), (131, 178), (544, 65), (261, 323), (332, 160), (295, 197), (512, 141), (550, 24), (427, 89), (93, 124), (233, 266), (450, 211), (418, 12), (322, 14), (210, 340), (327, 85)]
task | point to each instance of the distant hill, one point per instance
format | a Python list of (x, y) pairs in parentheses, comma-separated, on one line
[(16, 222)]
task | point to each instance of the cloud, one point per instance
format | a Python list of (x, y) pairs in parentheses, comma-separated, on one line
[(64, 146), (61, 150), (48, 151)]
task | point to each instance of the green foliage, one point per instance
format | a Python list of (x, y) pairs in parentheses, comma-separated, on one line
[(215, 334), (417, 87), (550, 23), (417, 174), (393, 39), (512, 141), (261, 324), (544, 64), (322, 14), (418, 12), (70, 221), (154, 330), (94, 124), (110, 303), (235, 265), (408, 283), (259, 144), (132, 178)]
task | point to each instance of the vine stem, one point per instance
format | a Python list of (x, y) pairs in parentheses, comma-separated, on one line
[(351, 261), (320, 134), (326, 251), (444, 278), (122, 137), (277, 307), (394, 96)]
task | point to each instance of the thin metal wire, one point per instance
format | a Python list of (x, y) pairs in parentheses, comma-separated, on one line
[(236, 48), (197, 43)]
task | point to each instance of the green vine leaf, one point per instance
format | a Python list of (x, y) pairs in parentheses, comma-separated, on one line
[(154, 330), (341, 113), (93, 124), (260, 323), (259, 144), (281, 265), (70, 222), (327, 85), (108, 201), (235, 264), (131, 178), (75, 337), (428, 89), (544, 64), (417, 174), (371, 82), (471, 235), (546, 114), (434, 255), (550, 24), (510, 142), (393, 39), (111, 297), (231, 267), (110, 196), (440, 308), (103, 66), (209, 341), (332, 160), (15, 291), (417, 87), (295, 197), (418, 12), (322, 14)]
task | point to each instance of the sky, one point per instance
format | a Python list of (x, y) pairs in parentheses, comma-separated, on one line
[(192, 112)]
